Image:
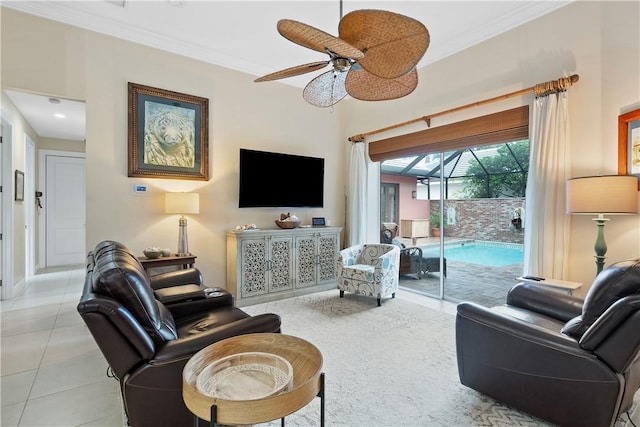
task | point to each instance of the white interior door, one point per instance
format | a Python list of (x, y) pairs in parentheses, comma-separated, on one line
[(65, 210)]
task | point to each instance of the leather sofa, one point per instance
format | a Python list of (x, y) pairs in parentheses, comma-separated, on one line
[(569, 361), (147, 342)]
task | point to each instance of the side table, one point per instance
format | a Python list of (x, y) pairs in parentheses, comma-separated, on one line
[(308, 380), (185, 261), (564, 285)]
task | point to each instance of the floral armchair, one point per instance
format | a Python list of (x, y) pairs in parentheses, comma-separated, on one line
[(370, 269)]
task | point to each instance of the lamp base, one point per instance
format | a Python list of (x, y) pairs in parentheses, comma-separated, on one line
[(601, 246), (183, 241)]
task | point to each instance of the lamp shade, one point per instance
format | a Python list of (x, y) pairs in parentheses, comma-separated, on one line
[(606, 194), (182, 203)]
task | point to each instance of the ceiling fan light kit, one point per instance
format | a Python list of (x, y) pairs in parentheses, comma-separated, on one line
[(373, 59)]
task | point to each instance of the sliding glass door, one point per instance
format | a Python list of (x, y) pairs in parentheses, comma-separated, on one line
[(474, 202)]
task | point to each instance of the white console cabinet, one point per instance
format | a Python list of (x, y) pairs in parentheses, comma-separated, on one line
[(265, 265)]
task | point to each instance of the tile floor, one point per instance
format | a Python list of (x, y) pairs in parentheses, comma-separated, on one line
[(53, 373), (50, 363)]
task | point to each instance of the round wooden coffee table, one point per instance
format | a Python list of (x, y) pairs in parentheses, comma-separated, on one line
[(308, 380)]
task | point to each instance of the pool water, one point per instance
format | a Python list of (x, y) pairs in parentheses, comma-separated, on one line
[(492, 255)]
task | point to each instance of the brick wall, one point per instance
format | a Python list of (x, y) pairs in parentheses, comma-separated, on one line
[(483, 219)]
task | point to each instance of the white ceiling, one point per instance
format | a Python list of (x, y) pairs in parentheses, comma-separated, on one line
[(42, 113), (241, 35)]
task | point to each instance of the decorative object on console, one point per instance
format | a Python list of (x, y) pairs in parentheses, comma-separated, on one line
[(374, 59), (152, 252), (602, 195), (288, 221), (182, 203), (318, 222), (168, 134), (247, 227)]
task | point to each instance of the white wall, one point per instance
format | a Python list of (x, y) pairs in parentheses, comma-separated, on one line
[(78, 64), (19, 128)]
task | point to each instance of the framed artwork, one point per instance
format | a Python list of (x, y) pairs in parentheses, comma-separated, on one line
[(19, 191), (629, 144), (168, 134)]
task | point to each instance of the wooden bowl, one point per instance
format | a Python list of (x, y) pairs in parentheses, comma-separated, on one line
[(305, 360), (287, 224)]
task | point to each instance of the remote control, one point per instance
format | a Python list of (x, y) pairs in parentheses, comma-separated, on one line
[(537, 279)]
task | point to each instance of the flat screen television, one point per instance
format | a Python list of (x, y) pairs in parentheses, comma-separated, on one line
[(280, 180)]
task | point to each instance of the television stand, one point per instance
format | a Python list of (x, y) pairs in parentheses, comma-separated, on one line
[(267, 265)]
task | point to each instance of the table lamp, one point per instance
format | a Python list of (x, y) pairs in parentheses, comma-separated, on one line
[(602, 195), (182, 203)]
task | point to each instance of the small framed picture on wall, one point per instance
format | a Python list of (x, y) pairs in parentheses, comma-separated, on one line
[(19, 191)]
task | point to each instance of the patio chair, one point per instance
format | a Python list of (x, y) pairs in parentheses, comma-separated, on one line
[(370, 269), (388, 232), (410, 259), (432, 265)]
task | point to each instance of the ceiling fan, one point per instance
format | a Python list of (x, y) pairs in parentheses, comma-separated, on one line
[(373, 59)]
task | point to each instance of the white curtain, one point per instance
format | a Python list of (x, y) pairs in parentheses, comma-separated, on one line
[(546, 223), (356, 195)]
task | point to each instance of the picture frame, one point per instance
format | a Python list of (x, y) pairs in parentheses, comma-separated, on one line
[(629, 144), (318, 222), (168, 134), (19, 186)]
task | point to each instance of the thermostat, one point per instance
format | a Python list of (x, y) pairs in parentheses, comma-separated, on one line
[(139, 189)]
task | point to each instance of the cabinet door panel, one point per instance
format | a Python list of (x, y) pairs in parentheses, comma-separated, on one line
[(327, 250), (306, 261), (253, 269), (281, 265)]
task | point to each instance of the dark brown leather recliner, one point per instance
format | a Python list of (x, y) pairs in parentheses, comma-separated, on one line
[(147, 342), (555, 356)]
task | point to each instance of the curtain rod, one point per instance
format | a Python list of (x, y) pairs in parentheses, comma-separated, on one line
[(541, 89)]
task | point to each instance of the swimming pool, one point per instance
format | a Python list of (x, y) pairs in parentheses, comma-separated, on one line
[(492, 254)]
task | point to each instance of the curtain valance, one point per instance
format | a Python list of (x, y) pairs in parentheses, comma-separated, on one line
[(504, 126)]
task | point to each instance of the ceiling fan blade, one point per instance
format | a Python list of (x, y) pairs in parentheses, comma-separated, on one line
[(313, 38), (293, 71), (365, 86), (393, 44), (326, 89)]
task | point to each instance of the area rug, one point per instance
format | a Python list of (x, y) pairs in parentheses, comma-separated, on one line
[(393, 365)]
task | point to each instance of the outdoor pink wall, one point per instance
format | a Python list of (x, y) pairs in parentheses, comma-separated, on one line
[(408, 208)]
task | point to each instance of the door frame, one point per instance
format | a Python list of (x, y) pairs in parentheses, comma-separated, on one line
[(42, 223), (7, 206), (29, 204)]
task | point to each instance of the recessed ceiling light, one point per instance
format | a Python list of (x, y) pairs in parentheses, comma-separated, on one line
[(59, 116)]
